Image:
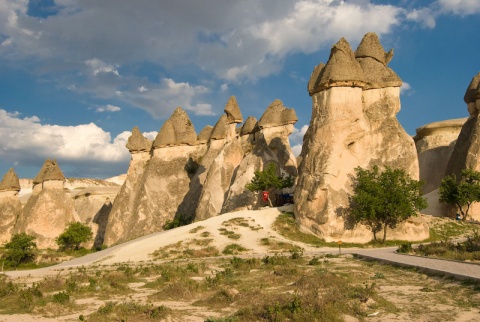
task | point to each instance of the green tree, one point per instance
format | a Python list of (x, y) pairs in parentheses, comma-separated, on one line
[(461, 193), (384, 199), (20, 249), (75, 234), (268, 180)]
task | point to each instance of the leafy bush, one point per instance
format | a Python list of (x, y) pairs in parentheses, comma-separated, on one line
[(20, 249), (75, 234), (405, 248)]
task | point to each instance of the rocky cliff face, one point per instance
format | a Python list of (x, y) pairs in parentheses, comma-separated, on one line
[(49, 209), (10, 206), (355, 99)]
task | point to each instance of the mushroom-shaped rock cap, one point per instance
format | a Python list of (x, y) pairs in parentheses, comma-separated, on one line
[(370, 46), (10, 182), (313, 83), (220, 129), (41, 174), (53, 172), (233, 111), (205, 134), (177, 130), (473, 90), (341, 70), (277, 115), (374, 60), (137, 142), (428, 129), (248, 126)]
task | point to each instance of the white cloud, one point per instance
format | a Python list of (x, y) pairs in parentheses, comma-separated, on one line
[(405, 88), (108, 108), (460, 7), (161, 99), (297, 149), (423, 16), (224, 87), (27, 141)]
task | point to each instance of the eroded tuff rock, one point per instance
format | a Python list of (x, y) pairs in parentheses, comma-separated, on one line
[(353, 124), (49, 209), (156, 183), (137, 142), (10, 205), (267, 143), (435, 143), (217, 168), (467, 147)]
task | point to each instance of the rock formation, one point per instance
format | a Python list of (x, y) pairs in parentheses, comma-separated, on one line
[(435, 143), (157, 180), (355, 99), (10, 206), (223, 156), (264, 142), (467, 147), (49, 209)]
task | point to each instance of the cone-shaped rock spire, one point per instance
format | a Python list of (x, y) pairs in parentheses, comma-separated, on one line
[(53, 172), (373, 59), (220, 129), (177, 130), (10, 182), (248, 126), (233, 111), (276, 115), (137, 142), (205, 134), (41, 174), (341, 70), (473, 90)]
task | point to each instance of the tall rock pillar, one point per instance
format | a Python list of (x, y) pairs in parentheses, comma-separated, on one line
[(10, 206)]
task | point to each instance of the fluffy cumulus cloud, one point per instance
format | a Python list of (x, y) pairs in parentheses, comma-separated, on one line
[(96, 45), (81, 148)]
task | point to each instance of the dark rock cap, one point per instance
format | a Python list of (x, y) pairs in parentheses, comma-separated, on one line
[(137, 142), (371, 47), (248, 126), (41, 174), (53, 172), (233, 111), (220, 129), (313, 83), (10, 181), (205, 134), (276, 115), (473, 90), (373, 59), (177, 130), (341, 70)]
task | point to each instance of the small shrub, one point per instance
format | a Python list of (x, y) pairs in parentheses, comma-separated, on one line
[(233, 249), (75, 234), (405, 248), (61, 297), (20, 249)]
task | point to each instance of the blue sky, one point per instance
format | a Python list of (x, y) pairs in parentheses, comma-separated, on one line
[(76, 76)]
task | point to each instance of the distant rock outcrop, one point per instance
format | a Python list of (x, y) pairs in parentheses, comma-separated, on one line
[(49, 209), (10, 205), (435, 143), (355, 99)]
